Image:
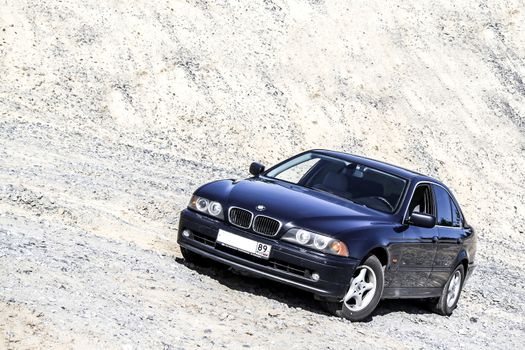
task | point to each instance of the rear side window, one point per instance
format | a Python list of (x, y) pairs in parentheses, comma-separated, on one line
[(444, 207), (456, 215)]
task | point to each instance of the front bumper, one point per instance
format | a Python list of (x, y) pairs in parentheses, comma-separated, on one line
[(288, 263)]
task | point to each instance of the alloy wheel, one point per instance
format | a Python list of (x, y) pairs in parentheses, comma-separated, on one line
[(453, 288), (362, 289)]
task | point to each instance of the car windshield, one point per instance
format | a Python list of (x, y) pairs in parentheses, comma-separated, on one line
[(360, 184)]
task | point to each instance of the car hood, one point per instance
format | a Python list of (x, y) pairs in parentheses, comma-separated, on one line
[(297, 206)]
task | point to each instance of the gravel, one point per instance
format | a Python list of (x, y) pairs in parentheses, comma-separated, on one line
[(111, 115)]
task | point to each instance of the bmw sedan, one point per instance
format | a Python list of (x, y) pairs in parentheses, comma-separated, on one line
[(349, 229)]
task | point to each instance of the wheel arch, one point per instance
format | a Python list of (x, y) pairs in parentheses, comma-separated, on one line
[(462, 259), (379, 252)]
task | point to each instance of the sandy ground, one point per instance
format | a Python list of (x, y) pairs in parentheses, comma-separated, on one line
[(111, 114)]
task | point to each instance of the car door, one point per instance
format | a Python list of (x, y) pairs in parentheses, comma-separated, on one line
[(419, 244), (450, 236)]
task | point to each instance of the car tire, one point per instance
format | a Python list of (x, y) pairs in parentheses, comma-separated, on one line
[(369, 274), (193, 258), (448, 300)]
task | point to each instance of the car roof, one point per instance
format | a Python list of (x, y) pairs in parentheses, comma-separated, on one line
[(389, 168)]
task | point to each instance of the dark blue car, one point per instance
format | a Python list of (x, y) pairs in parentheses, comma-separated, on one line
[(351, 230)]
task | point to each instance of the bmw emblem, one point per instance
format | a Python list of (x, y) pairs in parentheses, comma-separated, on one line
[(260, 207)]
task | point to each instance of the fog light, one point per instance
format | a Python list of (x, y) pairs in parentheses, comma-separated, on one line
[(186, 233), (315, 276)]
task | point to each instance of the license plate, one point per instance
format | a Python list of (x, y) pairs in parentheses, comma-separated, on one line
[(245, 245)]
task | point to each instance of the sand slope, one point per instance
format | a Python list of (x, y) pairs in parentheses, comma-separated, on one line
[(111, 114)]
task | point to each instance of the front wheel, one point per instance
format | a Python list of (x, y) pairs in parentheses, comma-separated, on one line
[(364, 293), (450, 295)]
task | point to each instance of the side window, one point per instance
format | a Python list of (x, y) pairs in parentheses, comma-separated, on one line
[(421, 201), (444, 208), (456, 215)]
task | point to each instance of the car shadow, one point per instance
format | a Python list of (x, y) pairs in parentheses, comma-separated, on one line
[(290, 296), (239, 281), (408, 306)]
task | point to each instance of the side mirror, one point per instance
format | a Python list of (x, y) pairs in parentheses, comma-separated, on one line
[(422, 220), (256, 168)]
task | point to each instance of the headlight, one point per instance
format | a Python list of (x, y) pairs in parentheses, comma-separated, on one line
[(303, 236), (207, 206), (202, 204), (316, 241), (215, 208), (321, 242)]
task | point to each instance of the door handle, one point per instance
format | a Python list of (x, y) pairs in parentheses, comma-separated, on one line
[(435, 239)]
